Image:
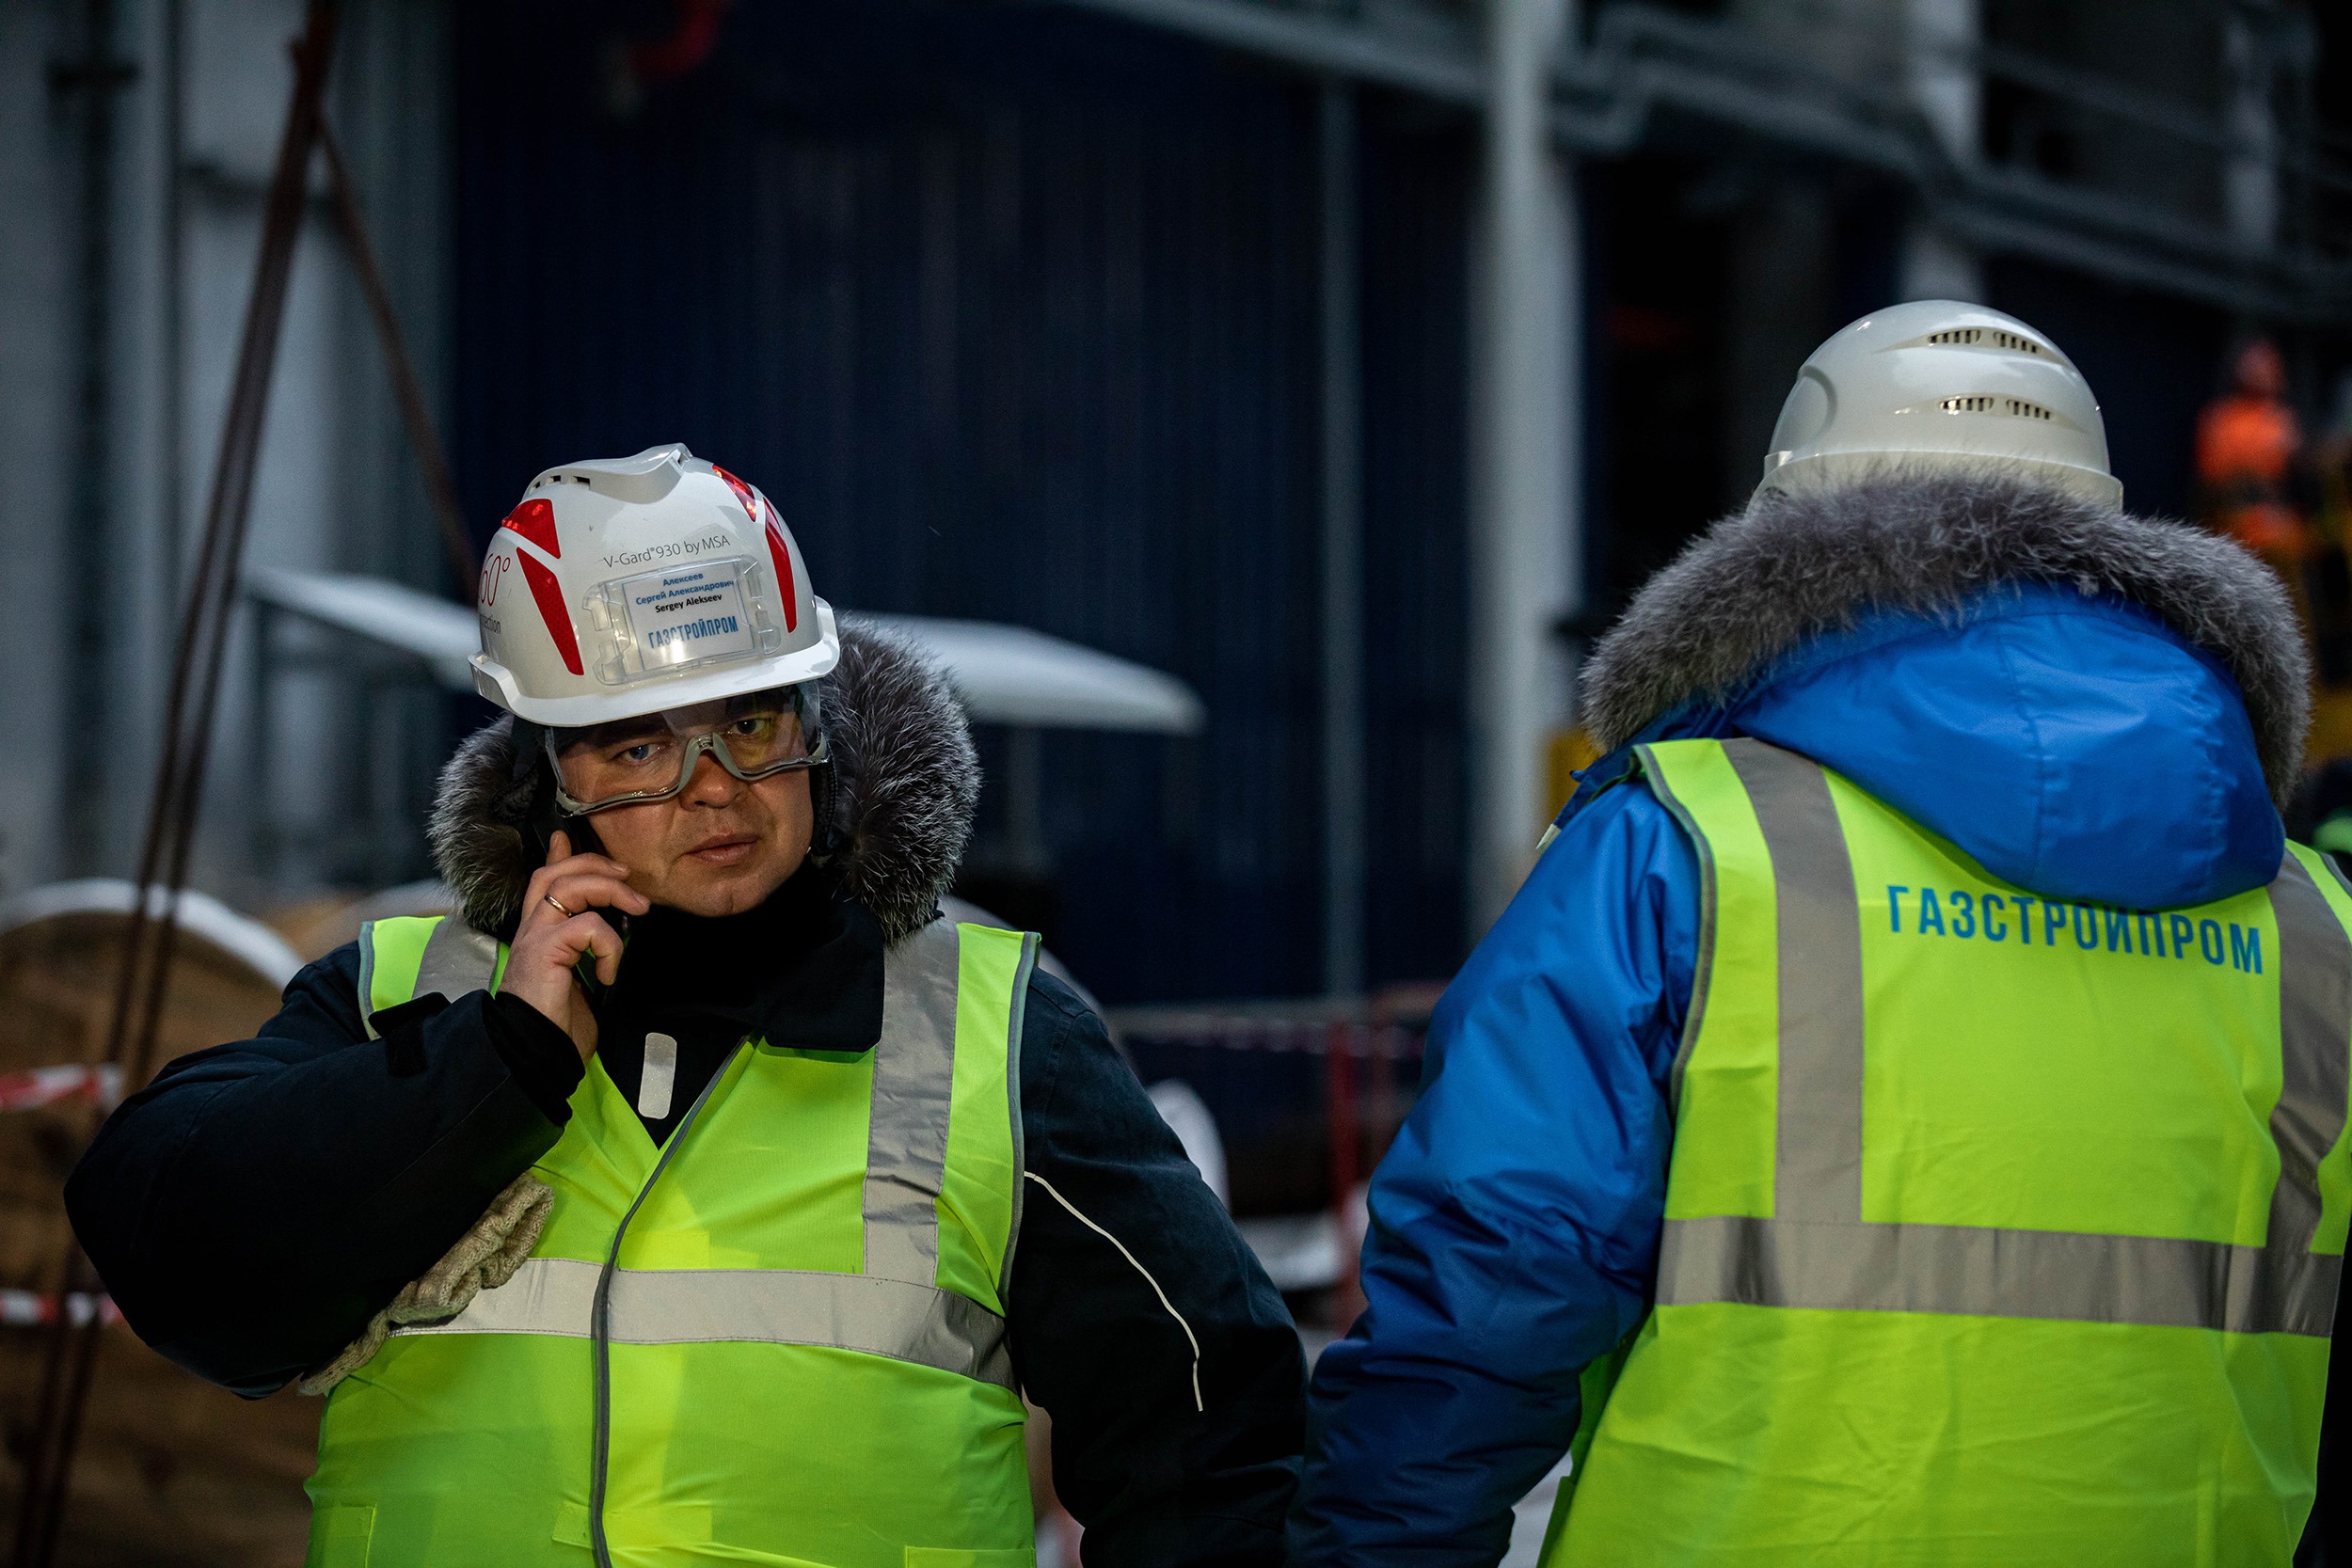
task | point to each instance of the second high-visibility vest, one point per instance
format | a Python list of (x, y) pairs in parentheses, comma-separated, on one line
[(778, 1338), (1999, 1229)]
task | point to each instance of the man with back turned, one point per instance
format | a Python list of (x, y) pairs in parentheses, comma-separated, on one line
[(1900, 1118)]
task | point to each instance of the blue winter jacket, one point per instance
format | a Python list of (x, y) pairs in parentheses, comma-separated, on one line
[(2070, 743)]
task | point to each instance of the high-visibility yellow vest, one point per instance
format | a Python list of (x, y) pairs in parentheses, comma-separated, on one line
[(1999, 1229), (778, 1338)]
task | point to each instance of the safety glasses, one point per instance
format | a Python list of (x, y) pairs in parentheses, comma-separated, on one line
[(630, 762)]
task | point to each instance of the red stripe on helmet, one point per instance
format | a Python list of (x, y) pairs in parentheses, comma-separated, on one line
[(550, 593), (742, 493), (535, 521), (781, 554)]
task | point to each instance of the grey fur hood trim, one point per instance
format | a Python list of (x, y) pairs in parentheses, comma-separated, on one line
[(906, 781), (1763, 581)]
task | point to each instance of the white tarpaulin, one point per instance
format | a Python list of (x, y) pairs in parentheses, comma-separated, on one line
[(1006, 674), (442, 634), (1013, 676), (199, 913)]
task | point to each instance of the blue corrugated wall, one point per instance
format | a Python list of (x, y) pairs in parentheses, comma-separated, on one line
[(1012, 310)]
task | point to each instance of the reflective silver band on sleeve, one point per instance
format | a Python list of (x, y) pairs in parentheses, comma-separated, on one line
[(891, 1318), (1980, 1270)]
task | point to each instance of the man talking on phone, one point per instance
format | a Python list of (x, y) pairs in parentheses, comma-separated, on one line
[(698, 1192)]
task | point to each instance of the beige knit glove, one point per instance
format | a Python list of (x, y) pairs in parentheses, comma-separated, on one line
[(483, 1259)]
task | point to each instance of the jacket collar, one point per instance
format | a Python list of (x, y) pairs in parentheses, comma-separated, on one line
[(1762, 582)]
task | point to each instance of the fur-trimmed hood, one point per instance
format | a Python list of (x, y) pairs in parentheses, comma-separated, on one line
[(2058, 687), (905, 782)]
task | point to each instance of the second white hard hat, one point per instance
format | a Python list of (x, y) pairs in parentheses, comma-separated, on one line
[(625, 586), (1937, 384)]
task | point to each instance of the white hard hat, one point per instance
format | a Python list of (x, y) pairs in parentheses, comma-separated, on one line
[(628, 585), (1939, 384)]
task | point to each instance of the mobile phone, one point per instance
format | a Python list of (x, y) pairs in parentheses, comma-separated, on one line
[(584, 968)]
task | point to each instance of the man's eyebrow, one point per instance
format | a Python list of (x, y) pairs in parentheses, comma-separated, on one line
[(619, 729)]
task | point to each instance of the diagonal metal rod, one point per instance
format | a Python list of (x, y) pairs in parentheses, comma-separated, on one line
[(149, 934), (407, 390)]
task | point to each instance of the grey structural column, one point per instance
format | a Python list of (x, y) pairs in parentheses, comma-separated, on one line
[(1940, 42), (1344, 758), (1524, 525)]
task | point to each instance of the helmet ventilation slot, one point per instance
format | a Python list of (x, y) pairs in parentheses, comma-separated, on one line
[(1984, 402), (1969, 337)]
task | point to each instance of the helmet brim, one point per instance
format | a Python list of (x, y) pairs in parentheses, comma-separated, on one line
[(498, 684), (1832, 469)]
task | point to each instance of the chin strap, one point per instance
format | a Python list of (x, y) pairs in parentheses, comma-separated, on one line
[(530, 744)]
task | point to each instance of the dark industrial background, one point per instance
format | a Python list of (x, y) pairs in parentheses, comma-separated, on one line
[(1017, 308)]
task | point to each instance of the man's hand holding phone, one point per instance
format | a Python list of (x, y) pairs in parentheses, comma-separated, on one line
[(559, 925)]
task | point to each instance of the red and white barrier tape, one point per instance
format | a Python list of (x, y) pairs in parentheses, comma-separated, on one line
[(50, 1086), (25, 1309)]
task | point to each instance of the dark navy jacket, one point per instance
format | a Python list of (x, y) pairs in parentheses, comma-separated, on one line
[(255, 1204), (2073, 746)]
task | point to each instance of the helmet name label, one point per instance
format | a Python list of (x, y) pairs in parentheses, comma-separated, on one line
[(689, 614)]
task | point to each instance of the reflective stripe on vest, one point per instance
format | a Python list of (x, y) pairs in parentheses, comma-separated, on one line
[(892, 1309), (906, 1145), (877, 1316), (1818, 1251), (1998, 1228), (804, 1280)]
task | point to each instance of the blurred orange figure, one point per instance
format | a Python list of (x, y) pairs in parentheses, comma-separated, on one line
[(2247, 442)]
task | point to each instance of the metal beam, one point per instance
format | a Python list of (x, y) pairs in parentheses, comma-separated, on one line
[(1439, 61), (1642, 60)]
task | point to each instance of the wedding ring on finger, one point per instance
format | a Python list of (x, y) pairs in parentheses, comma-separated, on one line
[(559, 907)]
